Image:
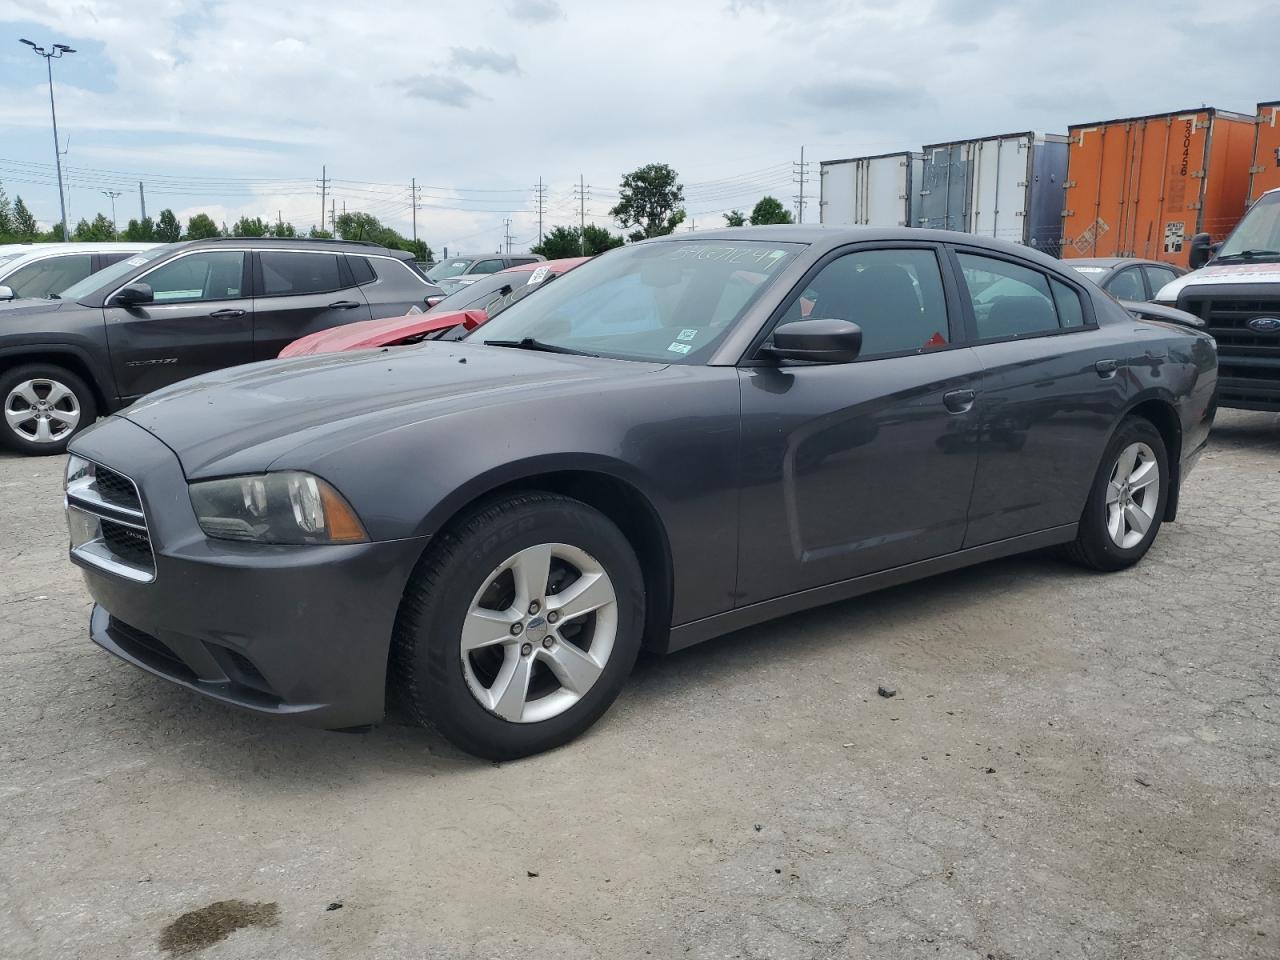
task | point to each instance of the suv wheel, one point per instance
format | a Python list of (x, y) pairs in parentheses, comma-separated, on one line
[(520, 626), (1126, 504), (44, 407)]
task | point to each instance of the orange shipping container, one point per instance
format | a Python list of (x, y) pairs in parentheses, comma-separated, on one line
[(1266, 151), (1142, 187)]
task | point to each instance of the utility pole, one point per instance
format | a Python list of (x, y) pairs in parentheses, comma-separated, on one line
[(413, 198), (542, 206), (112, 194), (58, 50), (333, 215), (142, 198), (583, 191), (800, 173), (323, 184)]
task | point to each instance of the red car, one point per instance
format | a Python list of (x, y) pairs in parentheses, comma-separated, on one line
[(467, 307)]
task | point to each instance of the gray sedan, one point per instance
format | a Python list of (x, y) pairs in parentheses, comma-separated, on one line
[(1127, 278), (679, 439)]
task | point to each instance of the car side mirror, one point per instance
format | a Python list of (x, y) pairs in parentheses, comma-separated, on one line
[(6, 293), (818, 341), (1201, 252), (134, 294)]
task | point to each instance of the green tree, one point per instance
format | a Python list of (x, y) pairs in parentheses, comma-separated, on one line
[(281, 229), (100, 230), (735, 218), (559, 242), (202, 227), (365, 226), (249, 227), (168, 229), (650, 199), (598, 240), (770, 210), (319, 233), (140, 231), (6, 215), (23, 223)]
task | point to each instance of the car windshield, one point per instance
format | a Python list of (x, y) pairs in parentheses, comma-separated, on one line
[(669, 302), (1258, 235), (96, 281), (448, 268)]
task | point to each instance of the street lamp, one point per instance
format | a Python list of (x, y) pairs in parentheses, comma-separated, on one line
[(58, 50), (115, 231)]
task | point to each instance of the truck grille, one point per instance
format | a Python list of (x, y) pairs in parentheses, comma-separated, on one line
[(1248, 360), (108, 525)]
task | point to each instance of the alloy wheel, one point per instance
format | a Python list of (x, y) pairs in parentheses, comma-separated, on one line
[(42, 411), (1133, 495), (539, 632)]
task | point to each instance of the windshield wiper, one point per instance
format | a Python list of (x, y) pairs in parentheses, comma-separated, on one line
[(528, 343), (1246, 255)]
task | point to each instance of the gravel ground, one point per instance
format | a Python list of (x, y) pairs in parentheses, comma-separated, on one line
[(1075, 765)]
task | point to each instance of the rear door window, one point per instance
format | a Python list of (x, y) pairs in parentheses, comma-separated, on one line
[(289, 274), (488, 266), (1008, 300)]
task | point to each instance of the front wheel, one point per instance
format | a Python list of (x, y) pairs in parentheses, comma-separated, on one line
[(520, 626), (1126, 504)]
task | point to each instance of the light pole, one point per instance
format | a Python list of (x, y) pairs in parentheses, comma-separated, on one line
[(49, 56), (115, 230)]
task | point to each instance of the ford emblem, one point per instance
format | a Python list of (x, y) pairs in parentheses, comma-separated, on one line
[(1265, 324)]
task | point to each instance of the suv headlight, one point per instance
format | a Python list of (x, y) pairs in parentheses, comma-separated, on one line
[(287, 507)]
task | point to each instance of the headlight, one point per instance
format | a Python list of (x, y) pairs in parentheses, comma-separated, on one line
[(78, 469), (287, 507)]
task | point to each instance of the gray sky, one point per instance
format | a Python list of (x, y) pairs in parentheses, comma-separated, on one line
[(233, 107)]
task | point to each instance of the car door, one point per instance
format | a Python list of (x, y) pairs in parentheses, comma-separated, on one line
[(298, 292), (1052, 387), (852, 468), (201, 319)]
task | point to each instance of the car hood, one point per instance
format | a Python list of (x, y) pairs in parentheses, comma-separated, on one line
[(1221, 273), (242, 419), (379, 333), (26, 306)]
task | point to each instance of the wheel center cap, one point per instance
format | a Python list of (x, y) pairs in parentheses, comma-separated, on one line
[(536, 629)]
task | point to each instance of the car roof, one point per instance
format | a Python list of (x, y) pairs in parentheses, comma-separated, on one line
[(1115, 262), (33, 253), (823, 238), (305, 243)]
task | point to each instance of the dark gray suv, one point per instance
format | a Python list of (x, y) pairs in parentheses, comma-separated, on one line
[(174, 311)]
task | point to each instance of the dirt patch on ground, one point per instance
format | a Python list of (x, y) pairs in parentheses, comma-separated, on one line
[(202, 928)]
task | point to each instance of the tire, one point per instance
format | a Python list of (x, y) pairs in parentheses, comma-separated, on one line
[(467, 589), (1098, 545), (60, 404)]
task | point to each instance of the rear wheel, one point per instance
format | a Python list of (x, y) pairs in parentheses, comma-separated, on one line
[(44, 407), (1126, 505), (520, 626)]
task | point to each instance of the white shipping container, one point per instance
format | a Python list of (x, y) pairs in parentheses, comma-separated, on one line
[(869, 191)]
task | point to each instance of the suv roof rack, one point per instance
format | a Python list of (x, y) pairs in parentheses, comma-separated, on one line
[(240, 239)]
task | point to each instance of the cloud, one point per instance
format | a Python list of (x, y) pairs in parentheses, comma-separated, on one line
[(865, 94), (536, 11), (441, 88), (482, 58)]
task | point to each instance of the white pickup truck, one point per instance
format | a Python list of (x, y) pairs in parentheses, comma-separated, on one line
[(1236, 291)]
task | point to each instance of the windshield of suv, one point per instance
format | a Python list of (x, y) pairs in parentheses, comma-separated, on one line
[(448, 268), (669, 302), (1258, 235), (96, 281)]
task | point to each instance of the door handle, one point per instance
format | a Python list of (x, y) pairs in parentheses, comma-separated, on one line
[(226, 314), (1106, 368), (959, 401), (343, 305)]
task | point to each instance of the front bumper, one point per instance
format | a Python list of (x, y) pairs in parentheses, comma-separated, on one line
[(301, 632)]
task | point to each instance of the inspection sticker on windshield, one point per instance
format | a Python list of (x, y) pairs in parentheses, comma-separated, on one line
[(539, 275), (415, 309), (679, 348), (686, 334)]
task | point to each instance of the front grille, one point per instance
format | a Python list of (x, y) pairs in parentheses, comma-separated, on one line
[(142, 646), (108, 524)]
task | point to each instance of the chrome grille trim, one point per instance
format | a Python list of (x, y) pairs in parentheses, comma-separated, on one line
[(84, 496)]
